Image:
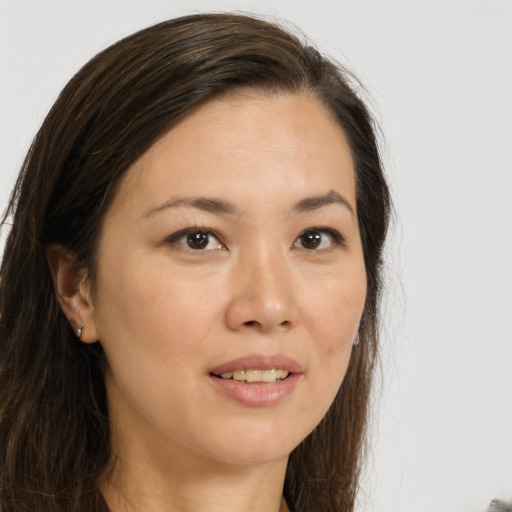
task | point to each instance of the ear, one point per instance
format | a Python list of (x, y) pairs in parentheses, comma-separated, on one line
[(73, 291)]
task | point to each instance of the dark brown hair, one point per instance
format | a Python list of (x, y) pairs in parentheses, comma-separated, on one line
[(54, 427)]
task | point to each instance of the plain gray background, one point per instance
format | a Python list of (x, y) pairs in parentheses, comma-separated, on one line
[(440, 75)]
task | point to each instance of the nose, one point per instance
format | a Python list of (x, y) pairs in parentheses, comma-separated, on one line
[(264, 294)]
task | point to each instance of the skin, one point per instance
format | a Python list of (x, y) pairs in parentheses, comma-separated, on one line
[(166, 313)]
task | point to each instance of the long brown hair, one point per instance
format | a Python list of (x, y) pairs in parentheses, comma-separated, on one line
[(54, 427)]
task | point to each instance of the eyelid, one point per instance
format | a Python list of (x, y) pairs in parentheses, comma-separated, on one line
[(175, 237), (337, 238)]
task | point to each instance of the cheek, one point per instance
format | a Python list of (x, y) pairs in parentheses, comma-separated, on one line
[(153, 325), (336, 310), (155, 311), (333, 318)]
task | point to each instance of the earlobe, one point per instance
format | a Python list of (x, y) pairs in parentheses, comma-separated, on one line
[(72, 290)]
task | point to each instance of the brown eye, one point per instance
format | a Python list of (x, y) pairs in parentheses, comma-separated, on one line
[(318, 239), (197, 240), (311, 240)]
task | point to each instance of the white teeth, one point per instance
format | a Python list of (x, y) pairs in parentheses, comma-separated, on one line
[(269, 375), (239, 375), (282, 374), (252, 375)]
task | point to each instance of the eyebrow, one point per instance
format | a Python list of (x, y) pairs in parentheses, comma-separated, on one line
[(220, 207), (315, 202), (207, 204)]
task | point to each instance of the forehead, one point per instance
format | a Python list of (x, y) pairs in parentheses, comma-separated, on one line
[(246, 142)]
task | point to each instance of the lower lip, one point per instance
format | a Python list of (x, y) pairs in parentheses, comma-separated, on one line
[(257, 394)]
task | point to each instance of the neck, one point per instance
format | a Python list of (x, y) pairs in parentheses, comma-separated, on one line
[(185, 484)]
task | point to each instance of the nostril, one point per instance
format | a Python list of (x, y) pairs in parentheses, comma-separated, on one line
[(255, 324)]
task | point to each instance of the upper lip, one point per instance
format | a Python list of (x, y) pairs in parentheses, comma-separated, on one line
[(259, 362)]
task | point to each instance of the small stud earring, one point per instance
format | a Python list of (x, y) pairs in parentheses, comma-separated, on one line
[(79, 331)]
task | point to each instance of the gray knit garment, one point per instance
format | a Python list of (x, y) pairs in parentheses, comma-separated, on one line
[(500, 506)]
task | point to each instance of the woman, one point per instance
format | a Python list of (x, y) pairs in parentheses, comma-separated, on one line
[(189, 289)]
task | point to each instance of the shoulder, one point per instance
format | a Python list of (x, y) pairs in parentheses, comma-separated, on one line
[(500, 506)]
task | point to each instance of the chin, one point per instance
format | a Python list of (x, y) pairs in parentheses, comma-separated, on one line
[(256, 446), (256, 456)]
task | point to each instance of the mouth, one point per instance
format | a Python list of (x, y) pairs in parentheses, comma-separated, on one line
[(258, 368), (258, 380), (250, 375)]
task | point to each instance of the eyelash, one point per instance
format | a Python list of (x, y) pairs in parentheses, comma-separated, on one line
[(337, 238), (179, 238), (182, 234)]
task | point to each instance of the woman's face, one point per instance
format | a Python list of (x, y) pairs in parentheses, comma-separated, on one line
[(231, 247)]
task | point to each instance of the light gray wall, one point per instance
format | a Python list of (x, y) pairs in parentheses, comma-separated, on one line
[(440, 73)]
